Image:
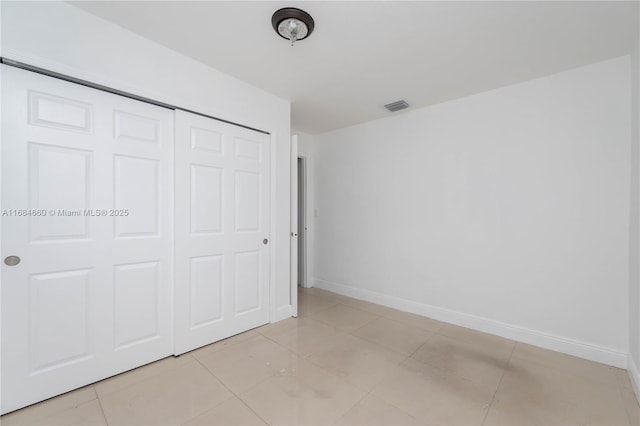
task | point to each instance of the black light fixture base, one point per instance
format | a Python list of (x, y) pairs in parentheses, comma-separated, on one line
[(292, 13)]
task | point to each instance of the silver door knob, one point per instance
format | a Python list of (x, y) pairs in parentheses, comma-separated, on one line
[(265, 241), (11, 260)]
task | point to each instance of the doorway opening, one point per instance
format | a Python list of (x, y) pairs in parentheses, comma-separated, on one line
[(302, 222)]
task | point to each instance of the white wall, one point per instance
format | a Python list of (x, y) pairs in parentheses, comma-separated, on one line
[(507, 211), (63, 38)]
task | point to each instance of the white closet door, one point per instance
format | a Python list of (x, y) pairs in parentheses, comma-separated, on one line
[(222, 236), (86, 186)]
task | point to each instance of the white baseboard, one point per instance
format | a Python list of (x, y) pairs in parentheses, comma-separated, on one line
[(281, 313), (565, 345), (634, 375)]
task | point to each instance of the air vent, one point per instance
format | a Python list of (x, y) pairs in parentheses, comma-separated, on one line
[(397, 106)]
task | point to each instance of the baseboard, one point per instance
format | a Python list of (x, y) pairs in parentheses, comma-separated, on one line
[(556, 343), (282, 313), (634, 376)]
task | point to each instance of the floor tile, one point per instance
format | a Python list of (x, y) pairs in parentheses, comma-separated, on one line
[(87, 414), (393, 335), (475, 337), (308, 395), (307, 339), (623, 378), (413, 320), (309, 305), (230, 341), (350, 362), (172, 397), (372, 410), (243, 365), (344, 317), (631, 404), (482, 362), (534, 392), (140, 374), (568, 364), (359, 362), (365, 306), (230, 413), (320, 293), (507, 412), (50, 408), (434, 396), (281, 327)]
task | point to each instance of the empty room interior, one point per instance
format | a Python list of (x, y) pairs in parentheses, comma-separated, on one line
[(320, 212)]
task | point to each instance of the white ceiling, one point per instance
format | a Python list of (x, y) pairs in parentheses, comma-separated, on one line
[(363, 55)]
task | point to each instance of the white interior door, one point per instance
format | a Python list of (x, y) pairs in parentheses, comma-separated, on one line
[(293, 249), (302, 222), (222, 233), (85, 206)]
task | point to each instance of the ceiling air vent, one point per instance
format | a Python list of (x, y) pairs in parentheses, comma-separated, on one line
[(397, 106)]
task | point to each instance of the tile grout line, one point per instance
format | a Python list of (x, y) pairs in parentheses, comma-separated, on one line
[(352, 333), (237, 395), (388, 402), (370, 393), (493, 397), (360, 309), (433, 333), (136, 368), (621, 391), (232, 393), (252, 410), (104, 415), (348, 333), (344, 331), (366, 394)]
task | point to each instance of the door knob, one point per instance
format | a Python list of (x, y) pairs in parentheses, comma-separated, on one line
[(265, 241), (11, 260)]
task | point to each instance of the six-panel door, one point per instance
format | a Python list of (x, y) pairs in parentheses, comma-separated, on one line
[(86, 199), (221, 230)]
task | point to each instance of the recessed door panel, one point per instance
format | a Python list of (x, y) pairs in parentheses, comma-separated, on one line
[(248, 149), (206, 202), (206, 279), (58, 112), (59, 301), (207, 140), (247, 283), (59, 186), (136, 288), (247, 196), (137, 191), (137, 127)]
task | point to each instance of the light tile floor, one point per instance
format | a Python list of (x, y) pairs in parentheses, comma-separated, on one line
[(349, 362)]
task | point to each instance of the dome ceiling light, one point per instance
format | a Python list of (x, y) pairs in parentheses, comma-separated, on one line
[(292, 23)]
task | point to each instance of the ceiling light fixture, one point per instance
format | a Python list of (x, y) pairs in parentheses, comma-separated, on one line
[(292, 23)]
